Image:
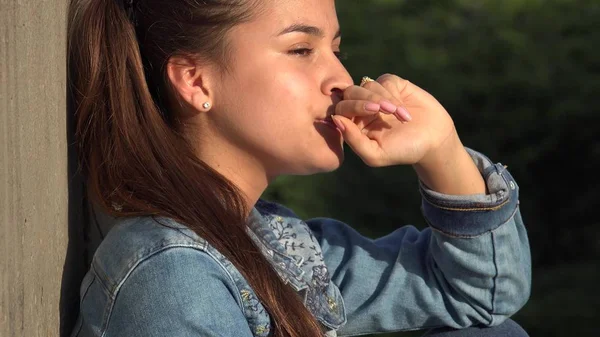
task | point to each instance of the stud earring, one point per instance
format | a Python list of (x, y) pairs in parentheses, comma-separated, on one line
[(206, 105)]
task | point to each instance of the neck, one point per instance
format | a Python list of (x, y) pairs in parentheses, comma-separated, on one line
[(246, 173)]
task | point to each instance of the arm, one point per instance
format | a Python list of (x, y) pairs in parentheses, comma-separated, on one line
[(449, 169), (179, 292), (471, 267)]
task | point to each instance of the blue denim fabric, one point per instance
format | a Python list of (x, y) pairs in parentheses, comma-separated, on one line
[(155, 277), (508, 328)]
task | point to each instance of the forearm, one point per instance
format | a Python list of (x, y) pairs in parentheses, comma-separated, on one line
[(450, 170), (472, 266)]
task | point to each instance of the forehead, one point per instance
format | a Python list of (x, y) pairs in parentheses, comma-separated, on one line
[(278, 14)]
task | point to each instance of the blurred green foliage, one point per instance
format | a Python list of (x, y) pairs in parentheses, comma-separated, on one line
[(521, 79)]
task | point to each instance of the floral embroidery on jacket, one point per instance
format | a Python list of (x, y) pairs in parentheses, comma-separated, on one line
[(295, 239)]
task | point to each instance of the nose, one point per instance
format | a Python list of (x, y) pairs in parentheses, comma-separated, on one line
[(337, 79)]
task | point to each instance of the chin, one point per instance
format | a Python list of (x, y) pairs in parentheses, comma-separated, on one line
[(319, 157), (329, 162), (323, 162)]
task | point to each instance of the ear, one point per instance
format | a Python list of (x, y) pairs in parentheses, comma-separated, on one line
[(191, 83)]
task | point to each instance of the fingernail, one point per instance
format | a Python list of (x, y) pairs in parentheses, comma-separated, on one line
[(388, 106), (374, 107), (338, 123), (404, 114), (398, 117)]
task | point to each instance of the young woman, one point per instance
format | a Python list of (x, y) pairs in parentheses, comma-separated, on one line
[(185, 110)]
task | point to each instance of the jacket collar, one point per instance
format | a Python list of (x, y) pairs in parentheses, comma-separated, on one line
[(289, 245)]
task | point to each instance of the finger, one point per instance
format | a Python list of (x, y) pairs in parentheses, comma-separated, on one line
[(379, 89), (364, 147), (377, 93), (384, 86), (351, 109), (401, 113), (395, 83), (356, 93), (400, 87)]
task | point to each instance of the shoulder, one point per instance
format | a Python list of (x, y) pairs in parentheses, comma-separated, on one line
[(153, 246), (177, 291)]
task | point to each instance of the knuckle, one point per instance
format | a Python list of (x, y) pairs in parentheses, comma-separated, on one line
[(348, 93), (370, 161), (359, 106), (391, 78), (397, 101), (386, 77), (373, 97)]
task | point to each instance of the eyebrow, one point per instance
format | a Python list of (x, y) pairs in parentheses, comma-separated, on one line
[(306, 29)]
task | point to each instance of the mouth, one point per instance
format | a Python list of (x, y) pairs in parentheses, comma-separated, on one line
[(327, 121)]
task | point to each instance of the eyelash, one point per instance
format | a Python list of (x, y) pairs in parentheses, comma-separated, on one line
[(305, 52)]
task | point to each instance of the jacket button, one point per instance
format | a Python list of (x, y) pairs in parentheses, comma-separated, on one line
[(260, 329), (332, 304), (245, 294)]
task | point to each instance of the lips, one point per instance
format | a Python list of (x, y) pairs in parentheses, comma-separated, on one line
[(327, 121)]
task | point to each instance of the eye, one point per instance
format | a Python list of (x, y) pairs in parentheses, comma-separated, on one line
[(304, 52), (301, 52)]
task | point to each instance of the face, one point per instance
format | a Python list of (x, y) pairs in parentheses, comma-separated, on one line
[(284, 80)]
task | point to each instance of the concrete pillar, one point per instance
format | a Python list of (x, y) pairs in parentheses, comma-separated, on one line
[(33, 166)]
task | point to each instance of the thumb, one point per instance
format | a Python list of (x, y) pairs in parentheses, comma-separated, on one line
[(359, 142)]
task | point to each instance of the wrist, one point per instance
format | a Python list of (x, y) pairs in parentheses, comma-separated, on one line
[(440, 155), (449, 169)]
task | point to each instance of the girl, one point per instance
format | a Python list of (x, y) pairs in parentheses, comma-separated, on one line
[(185, 110)]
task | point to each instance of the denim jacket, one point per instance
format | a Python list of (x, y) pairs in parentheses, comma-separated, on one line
[(471, 266)]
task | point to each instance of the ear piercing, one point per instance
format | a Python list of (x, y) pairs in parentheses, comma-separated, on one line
[(206, 105)]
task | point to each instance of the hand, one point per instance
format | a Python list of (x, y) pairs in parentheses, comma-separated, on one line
[(410, 127)]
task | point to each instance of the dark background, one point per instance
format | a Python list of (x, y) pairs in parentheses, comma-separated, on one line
[(521, 80)]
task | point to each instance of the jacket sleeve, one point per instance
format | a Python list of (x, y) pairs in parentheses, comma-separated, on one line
[(471, 266), (178, 292)]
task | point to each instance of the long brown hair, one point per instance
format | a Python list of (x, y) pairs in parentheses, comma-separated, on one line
[(135, 160)]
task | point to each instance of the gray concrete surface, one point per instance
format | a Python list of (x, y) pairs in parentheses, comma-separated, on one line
[(33, 166)]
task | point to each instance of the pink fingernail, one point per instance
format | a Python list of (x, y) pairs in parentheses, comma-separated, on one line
[(338, 123), (404, 114), (398, 117), (388, 106), (372, 107)]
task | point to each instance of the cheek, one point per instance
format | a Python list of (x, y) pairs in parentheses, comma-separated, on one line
[(274, 104), (296, 93), (274, 81), (282, 98)]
